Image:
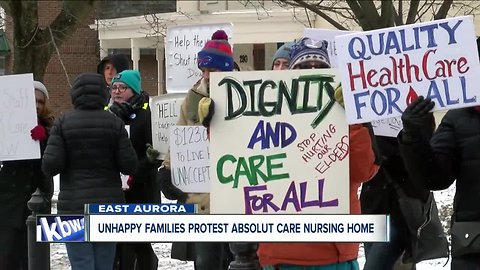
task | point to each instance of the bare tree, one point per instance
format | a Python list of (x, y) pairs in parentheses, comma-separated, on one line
[(373, 14), (33, 46)]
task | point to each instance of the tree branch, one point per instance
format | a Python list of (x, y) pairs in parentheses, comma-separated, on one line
[(412, 11), (387, 17), (7, 6), (370, 11), (67, 21), (312, 8), (443, 10), (358, 12)]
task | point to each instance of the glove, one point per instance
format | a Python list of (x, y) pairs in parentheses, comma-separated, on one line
[(171, 192), (152, 154), (418, 121), (339, 95), (38, 133), (122, 110), (130, 181), (206, 109)]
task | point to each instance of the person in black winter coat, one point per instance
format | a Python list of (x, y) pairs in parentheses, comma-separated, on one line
[(89, 148), (436, 161), (18, 180), (379, 196), (131, 104)]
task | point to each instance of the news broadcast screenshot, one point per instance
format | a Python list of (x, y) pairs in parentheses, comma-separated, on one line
[(320, 152)]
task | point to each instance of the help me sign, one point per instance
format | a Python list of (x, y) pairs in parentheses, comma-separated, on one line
[(385, 70)]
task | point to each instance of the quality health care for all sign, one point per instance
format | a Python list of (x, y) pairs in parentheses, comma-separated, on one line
[(278, 143), (385, 70)]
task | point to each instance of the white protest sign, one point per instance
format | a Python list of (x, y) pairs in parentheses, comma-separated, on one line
[(182, 47), (165, 111), (278, 143), (385, 70), (389, 127), (329, 36), (190, 158), (18, 116)]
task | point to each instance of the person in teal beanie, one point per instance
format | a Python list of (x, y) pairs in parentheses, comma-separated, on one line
[(131, 104)]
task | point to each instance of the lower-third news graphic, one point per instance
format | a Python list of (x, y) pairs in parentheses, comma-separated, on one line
[(61, 228)]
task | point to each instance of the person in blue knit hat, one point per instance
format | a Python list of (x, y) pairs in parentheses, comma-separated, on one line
[(308, 53), (130, 103), (196, 110), (281, 59)]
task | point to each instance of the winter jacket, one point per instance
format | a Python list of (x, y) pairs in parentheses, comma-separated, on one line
[(18, 180), (143, 189), (453, 153), (189, 117), (362, 168), (89, 147), (378, 196)]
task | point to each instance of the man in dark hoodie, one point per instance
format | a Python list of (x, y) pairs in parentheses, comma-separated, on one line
[(112, 65), (89, 148)]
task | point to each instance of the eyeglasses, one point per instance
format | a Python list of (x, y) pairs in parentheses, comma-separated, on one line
[(120, 89)]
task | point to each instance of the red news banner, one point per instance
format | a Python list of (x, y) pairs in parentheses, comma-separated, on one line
[(385, 70)]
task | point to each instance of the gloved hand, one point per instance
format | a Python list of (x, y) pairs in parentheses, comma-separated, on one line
[(339, 95), (418, 121), (130, 181), (122, 110), (171, 192), (152, 154), (38, 133), (206, 109)]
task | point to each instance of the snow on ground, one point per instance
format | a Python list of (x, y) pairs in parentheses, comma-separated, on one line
[(59, 259)]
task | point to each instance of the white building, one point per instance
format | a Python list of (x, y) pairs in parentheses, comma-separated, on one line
[(257, 33)]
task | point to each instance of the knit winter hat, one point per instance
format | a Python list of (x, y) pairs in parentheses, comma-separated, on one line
[(284, 51), (131, 78), (217, 53), (307, 49), (41, 87)]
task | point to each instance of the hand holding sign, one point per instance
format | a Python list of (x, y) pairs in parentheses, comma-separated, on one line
[(417, 119)]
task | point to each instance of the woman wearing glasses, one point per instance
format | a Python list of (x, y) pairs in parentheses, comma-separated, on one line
[(130, 103)]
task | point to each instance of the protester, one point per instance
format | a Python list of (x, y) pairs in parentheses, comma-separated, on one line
[(89, 148), (216, 56), (111, 66), (281, 58), (131, 104), (379, 196), (436, 160), (19, 179), (306, 54)]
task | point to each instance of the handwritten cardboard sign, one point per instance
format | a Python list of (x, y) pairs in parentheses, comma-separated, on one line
[(190, 158), (389, 127), (183, 44), (385, 70), (329, 36), (279, 143), (165, 112), (17, 117)]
